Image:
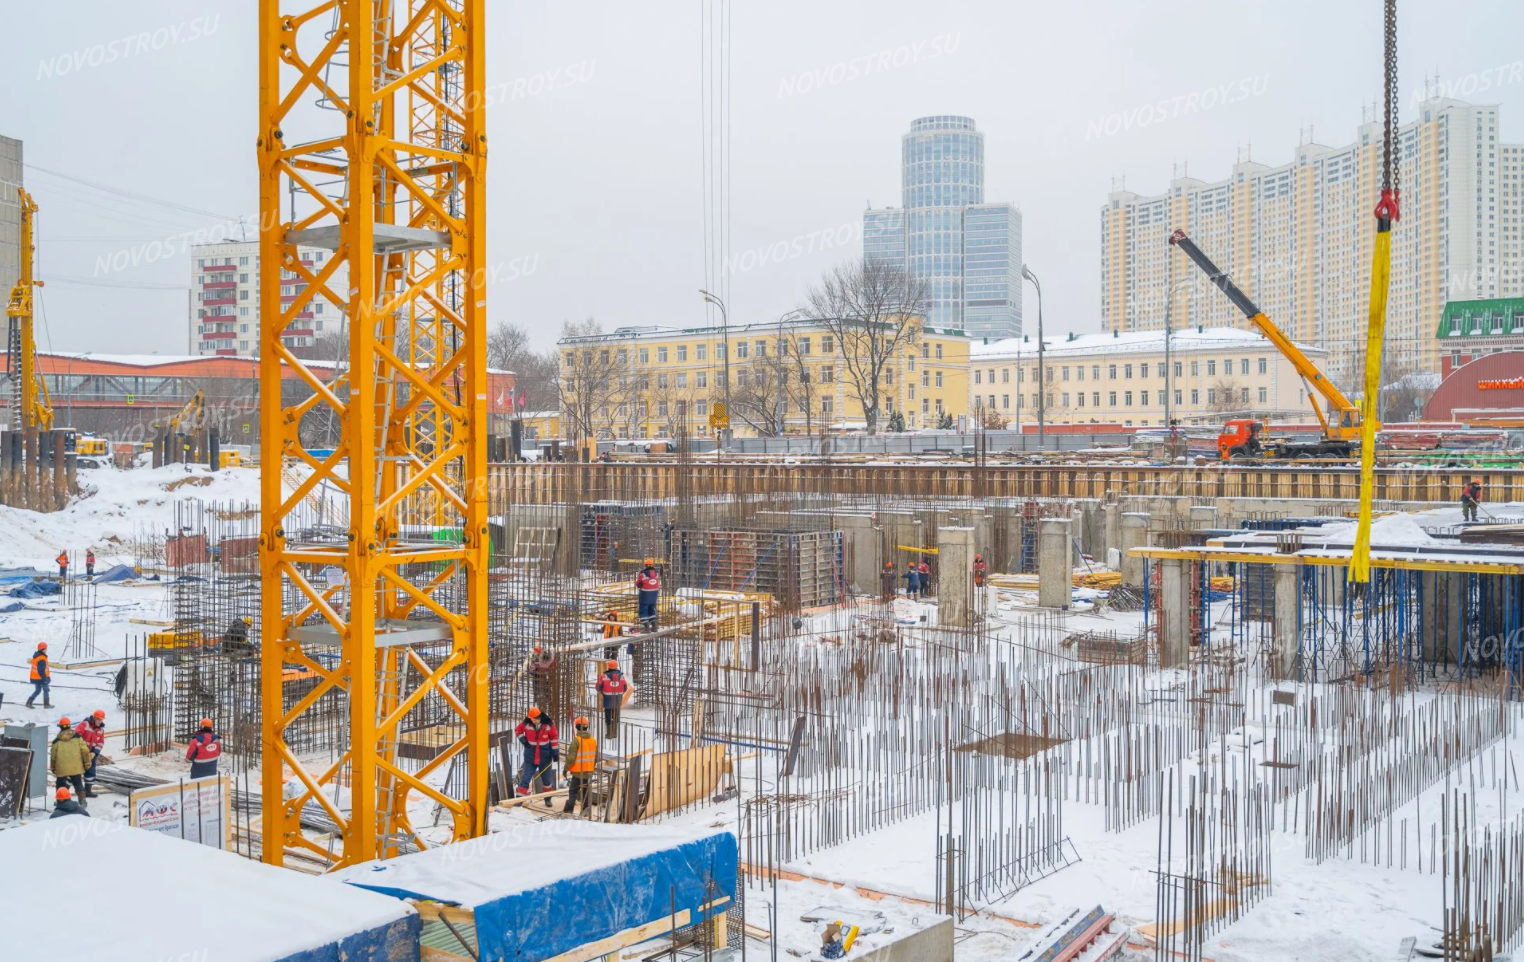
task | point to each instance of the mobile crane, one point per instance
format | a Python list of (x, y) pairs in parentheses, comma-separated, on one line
[(1339, 417)]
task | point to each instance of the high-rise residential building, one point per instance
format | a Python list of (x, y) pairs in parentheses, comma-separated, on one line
[(225, 281), (1298, 237), (967, 251), (10, 215)]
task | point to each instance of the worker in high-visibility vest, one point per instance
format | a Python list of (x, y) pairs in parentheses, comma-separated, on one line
[(63, 564), (42, 678), (612, 629), (584, 761), (979, 568)]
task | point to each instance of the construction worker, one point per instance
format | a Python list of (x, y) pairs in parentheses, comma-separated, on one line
[(612, 686), (89, 563), (69, 757), (925, 570), (584, 760), (64, 804), (542, 670), (41, 678), (978, 571), (538, 736), (63, 563), (235, 638), (648, 590), (889, 583), (1471, 499), (203, 751), (912, 580), (612, 629), (93, 731)]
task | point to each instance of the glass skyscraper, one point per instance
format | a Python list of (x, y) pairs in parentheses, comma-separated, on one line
[(967, 251)]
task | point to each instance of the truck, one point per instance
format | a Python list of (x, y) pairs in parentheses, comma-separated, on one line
[(1339, 418)]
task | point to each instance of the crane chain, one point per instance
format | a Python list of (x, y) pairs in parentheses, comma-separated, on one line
[(1389, 166)]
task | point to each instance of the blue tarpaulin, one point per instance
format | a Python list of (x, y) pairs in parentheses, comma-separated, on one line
[(36, 589), (13, 606), (601, 879), (115, 573), (19, 574)]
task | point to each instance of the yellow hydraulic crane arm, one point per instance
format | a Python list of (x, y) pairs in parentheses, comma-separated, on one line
[(189, 417), (1340, 417), (35, 404)]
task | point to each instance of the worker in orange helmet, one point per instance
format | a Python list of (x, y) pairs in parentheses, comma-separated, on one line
[(584, 759), (979, 568), (69, 756), (539, 739), (889, 582), (203, 751), (647, 591), (1471, 499), (64, 804), (42, 678), (93, 731), (612, 686), (63, 563)]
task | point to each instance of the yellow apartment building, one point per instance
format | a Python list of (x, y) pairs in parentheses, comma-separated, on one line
[(788, 378), (1118, 378)]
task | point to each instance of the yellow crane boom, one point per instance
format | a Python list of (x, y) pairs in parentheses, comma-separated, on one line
[(31, 405), (1340, 417)]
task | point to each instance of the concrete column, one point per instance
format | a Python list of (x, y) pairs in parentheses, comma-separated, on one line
[(1111, 530), (1203, 516), (1134, 535), (955, 577), (1286, 626), (1055, 563), (865, 550), (1175, 613)]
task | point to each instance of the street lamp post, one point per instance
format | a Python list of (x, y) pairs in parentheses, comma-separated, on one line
[(1169, 367), (1042, 374), (781, 416), (725, 331)]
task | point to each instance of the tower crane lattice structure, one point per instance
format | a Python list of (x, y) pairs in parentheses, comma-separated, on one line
[(372, 145)]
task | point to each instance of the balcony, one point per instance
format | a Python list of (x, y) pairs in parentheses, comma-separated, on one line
[(220, 267), (219, 335), (220, 302), (218, 285)]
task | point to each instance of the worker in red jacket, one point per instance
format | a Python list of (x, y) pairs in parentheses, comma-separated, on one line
[(925, 570), (538, 737), (204, 750), (612, 686), (93, 731), (647, 591), (979, 571), (89, 563)]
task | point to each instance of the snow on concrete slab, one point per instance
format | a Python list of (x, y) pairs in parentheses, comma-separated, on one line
[(153, 898)]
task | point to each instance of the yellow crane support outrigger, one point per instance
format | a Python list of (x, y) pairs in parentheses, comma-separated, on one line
[(31, 407)]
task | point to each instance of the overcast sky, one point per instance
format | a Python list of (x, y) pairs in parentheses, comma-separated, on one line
[(595, 203)]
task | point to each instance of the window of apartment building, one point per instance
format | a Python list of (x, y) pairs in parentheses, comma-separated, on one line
[(827, 345), (623, 355), (743, 378), (1195, 396), (201, 262), (761, 349), (243, 262), (244, 312), (925, 349), (1079, 373), (1005, 375), (1095, 399), (243, 328), (701, 352), (1195, 368), (1080, 397), (939, 379), (925, 405), (682, 409), (719, 352), (701, 407), (1264, 366), (804, 345), (1095, 372), (645, 355), (243, 278), (925, 379), (1177, 397), (826, 405), (912, 392), (1264, 395), (1127, 397), (243, 345), (243, 295), (1127, 371), (682, 379), (661, 409), (1211, 368), (828, 374), (701, 379), (661, 380), (603, 357), (977, 374), (1064, 374), (1178, 368), (1112, 372), (889, 377), (571, 358), (1243, 365), (910, 362), (741, 349), (1161, 368), (661, 355), (1111, 398), (1243, 395), (939, 357), (1005, 401), (682, 352), (643, 383), (1211, 395), (1066, 399)]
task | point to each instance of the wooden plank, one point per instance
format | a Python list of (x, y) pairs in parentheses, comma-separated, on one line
[(683, 776), (634, 936)]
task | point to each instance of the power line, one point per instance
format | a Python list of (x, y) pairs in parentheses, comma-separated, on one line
[(130, 195), (65, 280)]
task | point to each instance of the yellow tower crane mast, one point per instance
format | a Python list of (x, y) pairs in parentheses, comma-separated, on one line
[(372, 147), (31, 407)]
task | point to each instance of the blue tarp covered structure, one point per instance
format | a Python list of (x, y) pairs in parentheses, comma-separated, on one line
[(6, 609), (36, 589), (114, 573), (8, 575), (540, 890)]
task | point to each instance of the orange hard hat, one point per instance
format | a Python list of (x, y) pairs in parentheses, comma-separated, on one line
[(888, 564), (62, 794), (613, 663), (581, 721), (538, 648), (100, 714), (534, 711), (206, 723), (42, 646), (63, 722), (650, 562)]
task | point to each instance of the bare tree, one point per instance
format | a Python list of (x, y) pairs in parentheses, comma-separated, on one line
[(873, 311), (596, 380), (800, 381), (755, 399), (990, 419), (535, 373), (1404, 392), (1225, 397)]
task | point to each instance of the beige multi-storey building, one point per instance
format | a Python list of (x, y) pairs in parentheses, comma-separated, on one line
[(1298, 237), (1123, 379), (793, 378)]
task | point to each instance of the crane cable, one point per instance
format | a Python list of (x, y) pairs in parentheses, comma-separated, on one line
[(1387, 210)]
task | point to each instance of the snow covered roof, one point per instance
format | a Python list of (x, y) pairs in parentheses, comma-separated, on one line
[(1139, 342)]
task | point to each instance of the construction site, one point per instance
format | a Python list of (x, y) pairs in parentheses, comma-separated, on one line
[(375, 688)]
